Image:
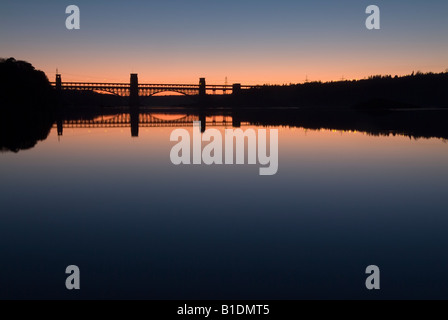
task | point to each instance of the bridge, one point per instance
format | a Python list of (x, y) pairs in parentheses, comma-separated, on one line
[(134, 90)]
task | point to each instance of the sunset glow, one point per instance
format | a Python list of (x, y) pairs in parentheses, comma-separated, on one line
[(252, 42)]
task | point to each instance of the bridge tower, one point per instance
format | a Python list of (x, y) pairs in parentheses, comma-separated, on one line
[(133, 91), (202, 87), (58, 93), (236, 97), (236, 89), (58, 82)]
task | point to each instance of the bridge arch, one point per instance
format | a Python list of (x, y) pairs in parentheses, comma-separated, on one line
[(111, 91), (170, 90)]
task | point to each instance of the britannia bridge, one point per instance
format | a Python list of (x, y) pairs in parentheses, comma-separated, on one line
[(134, 90)]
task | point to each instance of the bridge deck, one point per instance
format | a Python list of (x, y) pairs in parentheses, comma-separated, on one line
[(106, 85)]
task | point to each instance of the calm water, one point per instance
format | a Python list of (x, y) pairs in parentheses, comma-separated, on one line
[(140, 227)]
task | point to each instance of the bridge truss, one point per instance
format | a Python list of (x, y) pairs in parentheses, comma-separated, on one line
[(146, 90)]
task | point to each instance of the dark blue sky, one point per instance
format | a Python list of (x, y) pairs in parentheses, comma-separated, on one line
[(247, 41)]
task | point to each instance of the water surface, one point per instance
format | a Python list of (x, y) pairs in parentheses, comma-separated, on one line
[(140, 227)]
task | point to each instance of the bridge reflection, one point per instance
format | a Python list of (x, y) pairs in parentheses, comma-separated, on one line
[(136, 119), (23, 129)]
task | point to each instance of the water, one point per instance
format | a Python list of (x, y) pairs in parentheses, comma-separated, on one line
[(139, 227)]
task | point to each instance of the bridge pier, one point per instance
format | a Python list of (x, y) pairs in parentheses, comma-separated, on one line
[(236, 97), (60, 126), (236, 120), (202, 119), (58, 88), (58, 82), (236, 89), (135, 120), (202, 87), (133, 91)]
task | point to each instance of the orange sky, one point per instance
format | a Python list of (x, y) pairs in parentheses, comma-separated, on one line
[(254, 72), (249, 42)]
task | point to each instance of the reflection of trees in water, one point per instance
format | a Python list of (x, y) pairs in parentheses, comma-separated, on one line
[(22, 130), (412, 123), (417, 123)]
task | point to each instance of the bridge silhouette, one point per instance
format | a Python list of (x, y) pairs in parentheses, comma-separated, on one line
[(134, 90)]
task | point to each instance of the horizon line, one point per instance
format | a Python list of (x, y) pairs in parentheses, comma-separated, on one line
[(370, 77)]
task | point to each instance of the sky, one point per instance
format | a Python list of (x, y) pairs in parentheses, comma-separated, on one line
[(249, 42)]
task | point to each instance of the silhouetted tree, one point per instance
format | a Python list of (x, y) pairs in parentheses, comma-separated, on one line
[(26, 105), (21, 84)]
